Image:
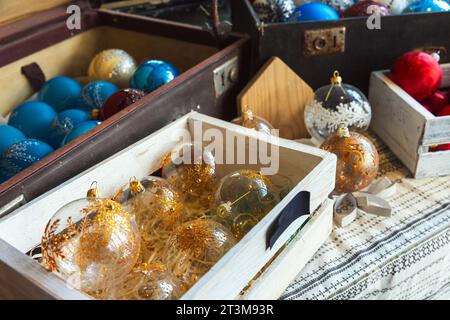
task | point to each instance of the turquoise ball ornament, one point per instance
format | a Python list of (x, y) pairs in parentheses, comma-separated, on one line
[(61, 93), (314, 11), (153, 74), (64, 123), (33, 118), (79, 130), (428, 6), (94, 94), (8, 136), (23, 154)]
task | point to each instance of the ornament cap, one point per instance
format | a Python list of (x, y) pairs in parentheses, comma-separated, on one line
[(93, 191), (136, 186), (342, 132), (247, 114), (336, 79)]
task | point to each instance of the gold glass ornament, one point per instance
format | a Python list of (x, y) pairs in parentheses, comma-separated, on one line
[(249, 120), (195, 247), (243, 198), (92, 243), (148, 282), (192, 172), (113, 65), (357, 160)]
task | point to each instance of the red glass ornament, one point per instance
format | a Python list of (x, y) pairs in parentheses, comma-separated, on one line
[(418, 73), (360, 9), (444, 111), (436, 102), (442, 147), (119, 101)]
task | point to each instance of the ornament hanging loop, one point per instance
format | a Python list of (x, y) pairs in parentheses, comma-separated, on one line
[(336, 79), (93, 191), (136, 186), (343, 132)]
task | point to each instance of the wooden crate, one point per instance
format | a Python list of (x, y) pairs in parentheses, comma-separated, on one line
[(250, 261), (408, 128)]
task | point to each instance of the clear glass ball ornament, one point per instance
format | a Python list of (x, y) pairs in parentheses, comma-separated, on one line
[(92, 243), (195, 247), (243, 198), (335, 105), (249, 120), (191, 170)]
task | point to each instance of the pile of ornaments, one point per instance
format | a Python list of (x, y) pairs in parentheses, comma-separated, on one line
[(420, 75), (64, 110), (275, 11), (156, 237)]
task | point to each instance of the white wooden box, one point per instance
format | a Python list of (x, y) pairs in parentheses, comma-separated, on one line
[(249, 265), (407, 128)]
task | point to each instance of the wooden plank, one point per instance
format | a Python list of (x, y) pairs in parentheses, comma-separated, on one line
[(437, 131), (14, 10), (281, 271), (23, 278), (278, 95), (397, 118), (433, 164)]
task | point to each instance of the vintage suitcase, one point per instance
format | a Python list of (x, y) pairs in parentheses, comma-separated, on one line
[(251, 269), (315, 49), (213, 73)]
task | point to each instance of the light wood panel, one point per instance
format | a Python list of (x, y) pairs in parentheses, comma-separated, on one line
[(11, 10), (278, 95)]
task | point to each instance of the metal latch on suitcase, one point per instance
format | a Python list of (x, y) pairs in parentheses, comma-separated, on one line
[(226, 76), (324, 41)]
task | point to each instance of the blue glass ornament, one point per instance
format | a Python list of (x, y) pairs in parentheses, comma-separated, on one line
[(33, 118), (8, 136), (314, 11), (153, 74), (94, 94), (60, 93), (23, 154), (79, 130), (428, 6), (64, 123)]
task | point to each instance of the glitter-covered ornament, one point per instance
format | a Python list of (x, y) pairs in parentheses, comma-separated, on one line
[(314, 11), (249, 120), (195, 247), (33, 118), (64, 123), (153, 74), (61, 93), (243, 198), (95, 94), (8, 136), (92, 243), (119, 101), (357, 160), (23, 154), (273, 11), (366, 8), (395, 6), (418, 73), (191, 170), (79, 130), (334, 105), (112, 65), (427, 6)]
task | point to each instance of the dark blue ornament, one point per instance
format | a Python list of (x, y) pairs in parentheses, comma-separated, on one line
[(79, 130), (60, 92), (8, 136), (64, 123), (427, 6), (314, 11), (23, 154), (153, 74), (94, 94), (33, 118)]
